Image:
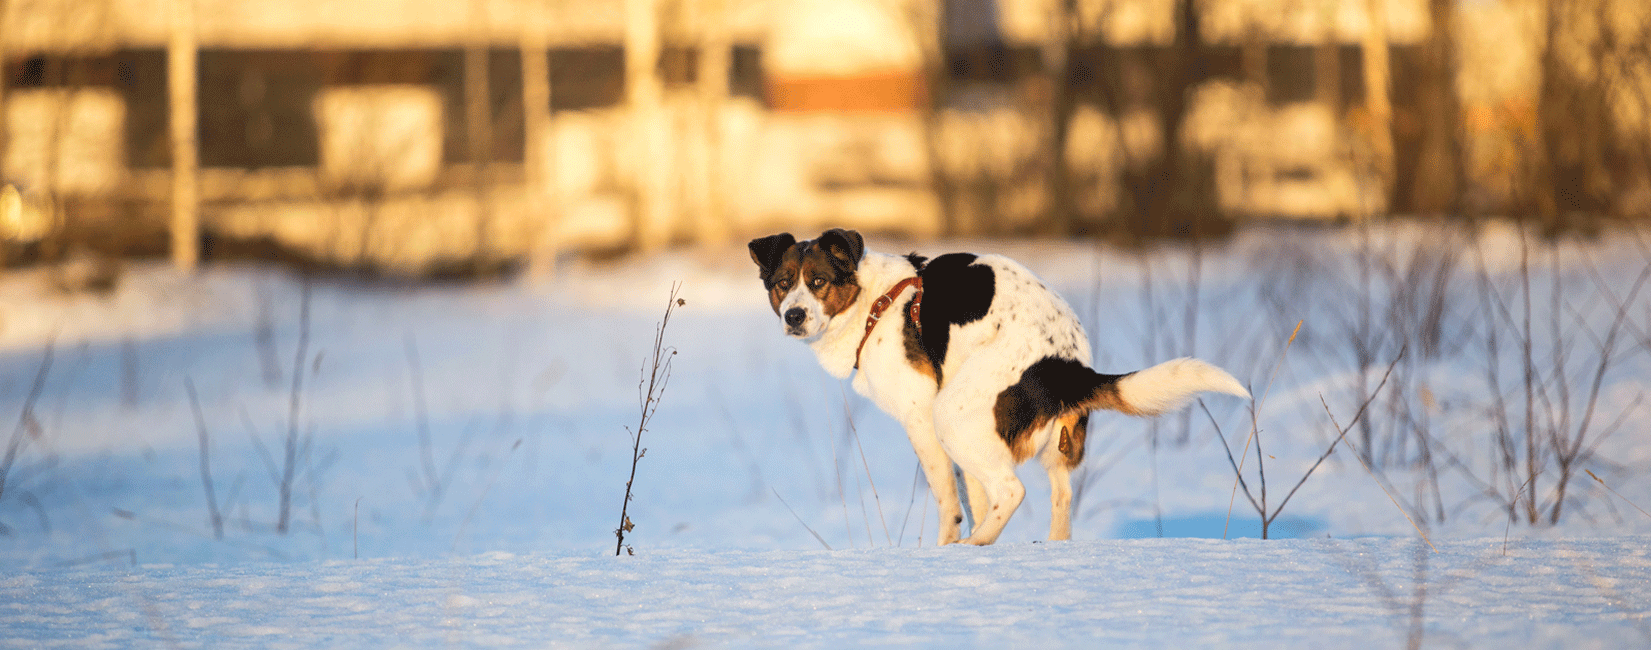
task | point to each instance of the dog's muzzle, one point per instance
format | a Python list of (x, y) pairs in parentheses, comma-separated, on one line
[(794, 318)]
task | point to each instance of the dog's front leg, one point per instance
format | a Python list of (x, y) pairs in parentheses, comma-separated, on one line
[(937, 467)]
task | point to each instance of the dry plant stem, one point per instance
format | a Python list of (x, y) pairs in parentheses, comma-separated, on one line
[(916, 475), (206, 460), (1390, 497), (355, 531), (1619, 495), (295, 404), (27, 426), (849, 418), (1418, 599), (1507, 528), (842, 497), (1255, 430), (806, 527), (656, 374)]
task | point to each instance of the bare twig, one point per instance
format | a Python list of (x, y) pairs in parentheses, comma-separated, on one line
[(1340, 434), (1366, 466), (355, 531), (656, 374), (849, 418), (810, 530)]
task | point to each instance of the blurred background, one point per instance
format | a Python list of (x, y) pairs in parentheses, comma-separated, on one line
[(462, 137)]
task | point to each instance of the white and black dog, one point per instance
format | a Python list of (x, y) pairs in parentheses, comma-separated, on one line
[(983, 365)]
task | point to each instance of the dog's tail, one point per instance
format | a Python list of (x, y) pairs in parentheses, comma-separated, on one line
[(1165, 387), (1066, 390)]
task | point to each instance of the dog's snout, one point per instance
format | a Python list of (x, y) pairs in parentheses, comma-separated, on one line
[(794, 316)]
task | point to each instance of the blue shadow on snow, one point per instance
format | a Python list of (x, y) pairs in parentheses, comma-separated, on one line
[(1209, 526)]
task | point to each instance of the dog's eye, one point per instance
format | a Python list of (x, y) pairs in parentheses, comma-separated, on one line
[(784, 285), (817, 282)]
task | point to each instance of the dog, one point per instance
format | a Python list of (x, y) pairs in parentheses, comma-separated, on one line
[(982, 363)]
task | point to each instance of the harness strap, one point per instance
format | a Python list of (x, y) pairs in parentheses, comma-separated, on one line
[(883, 303)]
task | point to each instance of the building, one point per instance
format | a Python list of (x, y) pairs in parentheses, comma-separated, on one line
[(412, 135)]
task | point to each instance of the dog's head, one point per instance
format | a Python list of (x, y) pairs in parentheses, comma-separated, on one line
[(809, 282)]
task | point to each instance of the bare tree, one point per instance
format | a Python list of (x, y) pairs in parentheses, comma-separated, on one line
[(1437, 172), (1172, 194), (1575, 144), (1377, 101)]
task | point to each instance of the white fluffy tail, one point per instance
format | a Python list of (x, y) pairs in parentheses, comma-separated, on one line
[(1172, 384)]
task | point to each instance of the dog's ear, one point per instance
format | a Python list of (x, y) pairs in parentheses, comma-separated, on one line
[(767, 251), (846, 245)]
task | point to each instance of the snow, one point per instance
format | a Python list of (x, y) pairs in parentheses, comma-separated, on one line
[(462, 449), (1165, 593)]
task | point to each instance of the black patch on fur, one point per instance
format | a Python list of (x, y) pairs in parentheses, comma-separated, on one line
[(767, 251), (846, 245), (1049, 388), (843, 248), (916, 260), (956, 291)]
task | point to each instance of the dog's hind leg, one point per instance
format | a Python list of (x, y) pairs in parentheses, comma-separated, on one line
[(976, 448), (937, 468), (1060, 493), (978, 500), (1063, 452)]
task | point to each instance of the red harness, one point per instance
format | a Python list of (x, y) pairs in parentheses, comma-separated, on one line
[(883, 303)]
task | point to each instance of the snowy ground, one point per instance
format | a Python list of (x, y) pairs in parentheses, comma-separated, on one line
[(1169, 593), (461, 455)]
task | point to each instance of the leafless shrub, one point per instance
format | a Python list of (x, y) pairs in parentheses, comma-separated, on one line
[(1258, 498), (1545, 411)]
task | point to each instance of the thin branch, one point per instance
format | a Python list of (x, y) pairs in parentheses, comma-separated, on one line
[(817, 536), (206, 460), (295, 404), (1339, 436), (1379, 483)]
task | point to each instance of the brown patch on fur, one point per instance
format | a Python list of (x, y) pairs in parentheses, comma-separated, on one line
[(1016, 417), (1107, 397), (1021, 449), (824, 275), (1074, 432), (915, 354)]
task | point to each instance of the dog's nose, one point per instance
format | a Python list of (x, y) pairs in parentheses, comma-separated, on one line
[(794, 316)]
